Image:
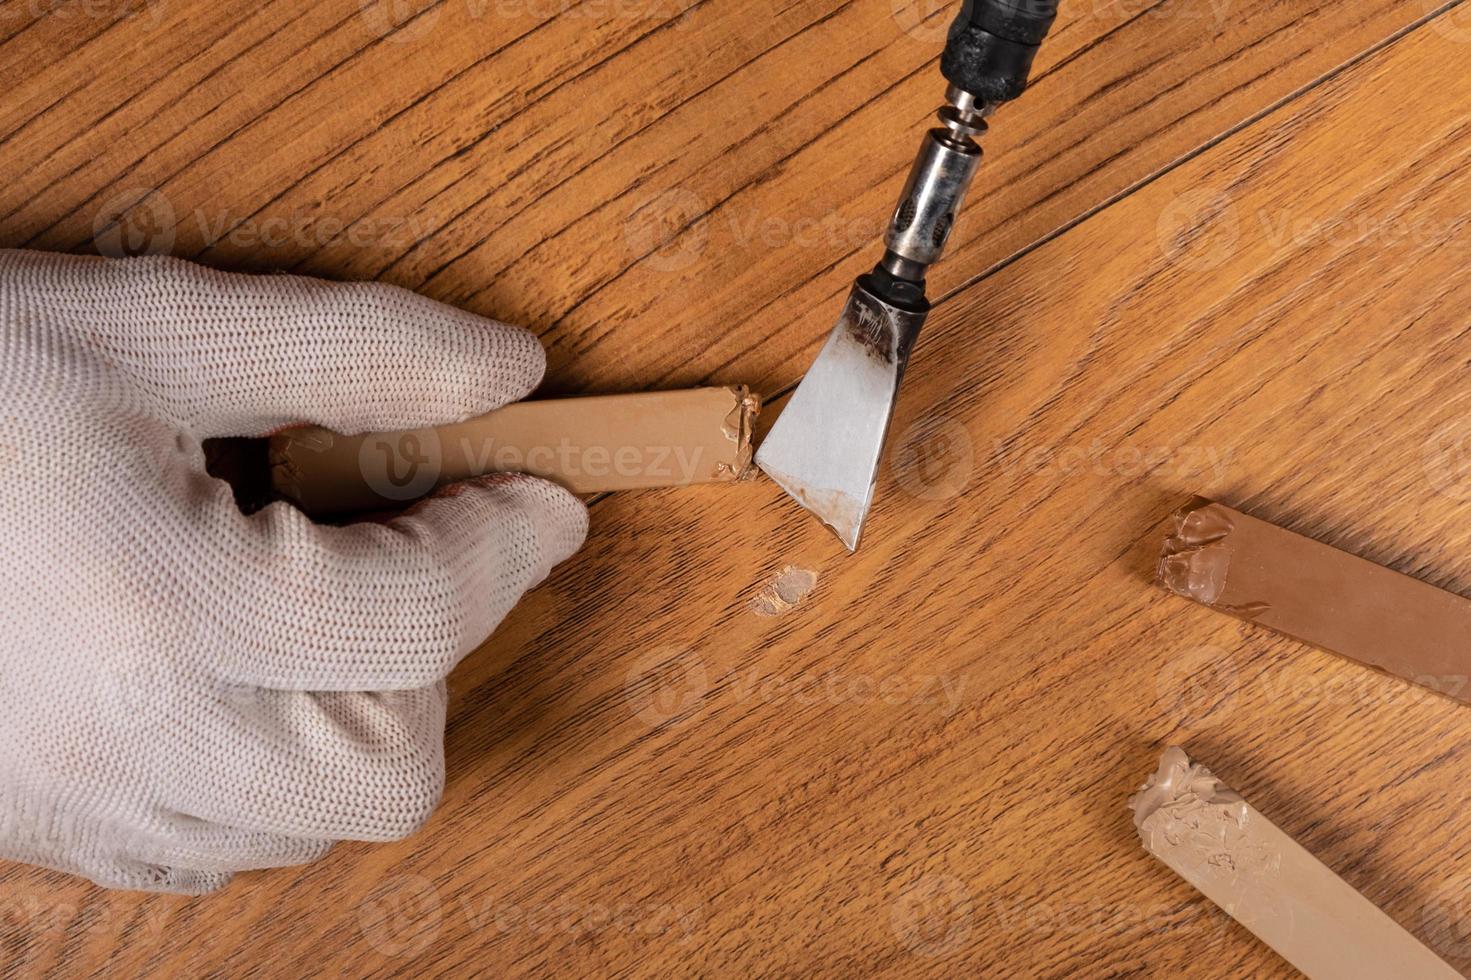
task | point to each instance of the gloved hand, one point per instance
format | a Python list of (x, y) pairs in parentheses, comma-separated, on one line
[(186, 692)]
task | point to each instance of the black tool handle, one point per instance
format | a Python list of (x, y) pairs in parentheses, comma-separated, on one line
[(991, 46)]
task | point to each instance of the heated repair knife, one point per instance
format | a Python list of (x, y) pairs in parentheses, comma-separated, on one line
[(825, 448)]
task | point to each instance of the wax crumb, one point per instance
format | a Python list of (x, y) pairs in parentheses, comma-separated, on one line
[(787, 589)]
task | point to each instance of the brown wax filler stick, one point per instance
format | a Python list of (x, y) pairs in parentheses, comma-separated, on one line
[(1234, 856), (589, 445), (1309, 591)]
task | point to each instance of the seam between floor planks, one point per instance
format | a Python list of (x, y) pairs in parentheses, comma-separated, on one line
[(1164, 171)]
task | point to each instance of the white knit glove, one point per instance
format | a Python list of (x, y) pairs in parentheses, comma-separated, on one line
[(186, 692)]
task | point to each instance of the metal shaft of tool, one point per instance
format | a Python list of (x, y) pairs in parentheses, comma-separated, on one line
[(936, 188)]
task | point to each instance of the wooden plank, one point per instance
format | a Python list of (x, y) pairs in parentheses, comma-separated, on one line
[(526, 165), (910, 773)]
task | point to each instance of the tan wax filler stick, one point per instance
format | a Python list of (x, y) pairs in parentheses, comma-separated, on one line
[(589, 445)]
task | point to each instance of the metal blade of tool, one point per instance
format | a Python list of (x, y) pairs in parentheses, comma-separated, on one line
[(825, 448), (826, 454)]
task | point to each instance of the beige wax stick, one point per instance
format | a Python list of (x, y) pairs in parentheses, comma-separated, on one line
[(1265, 880), (589, 445)]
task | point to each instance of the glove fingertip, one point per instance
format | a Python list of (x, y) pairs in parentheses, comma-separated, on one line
[(569, 518), (506, 363), (483, 362), (559, 515), (527, 356)]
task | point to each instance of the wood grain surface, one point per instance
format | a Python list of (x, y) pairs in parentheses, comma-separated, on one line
[(1217, 249)]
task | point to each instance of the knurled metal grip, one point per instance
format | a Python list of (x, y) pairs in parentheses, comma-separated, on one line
[(991, 46), (932, 196), (987, 60)]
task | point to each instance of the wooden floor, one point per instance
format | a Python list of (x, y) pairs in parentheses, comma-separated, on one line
[(1219, 247)]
